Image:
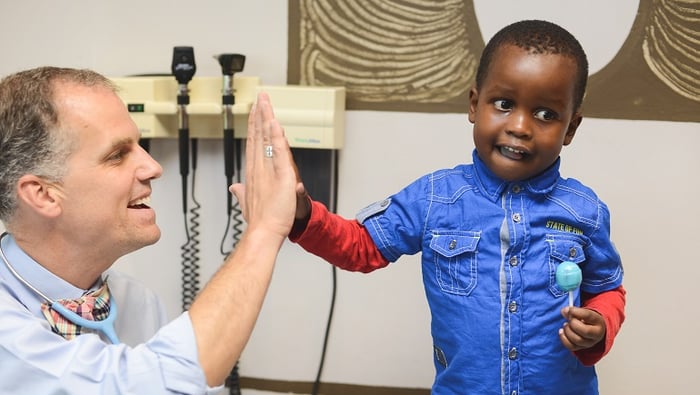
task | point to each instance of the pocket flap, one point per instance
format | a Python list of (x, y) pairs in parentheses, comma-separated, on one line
[(450, 245), (566, 250)]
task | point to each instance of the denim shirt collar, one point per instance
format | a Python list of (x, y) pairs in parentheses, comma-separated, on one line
[(492, 186)]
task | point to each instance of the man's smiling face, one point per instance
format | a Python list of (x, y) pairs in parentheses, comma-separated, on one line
[(106, 192)]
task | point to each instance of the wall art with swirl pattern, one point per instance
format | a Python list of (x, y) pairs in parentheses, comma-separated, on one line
[(421, 56)]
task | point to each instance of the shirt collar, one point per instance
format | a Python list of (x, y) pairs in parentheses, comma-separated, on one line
[(493, 186), (33, 273)]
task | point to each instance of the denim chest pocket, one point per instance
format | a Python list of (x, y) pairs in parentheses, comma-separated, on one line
[(454, 256), (562, 249)]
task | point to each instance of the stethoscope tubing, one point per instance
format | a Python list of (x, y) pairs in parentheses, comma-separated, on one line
[(106, 326)]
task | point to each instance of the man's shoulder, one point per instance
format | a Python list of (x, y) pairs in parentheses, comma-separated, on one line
[(123, 284)]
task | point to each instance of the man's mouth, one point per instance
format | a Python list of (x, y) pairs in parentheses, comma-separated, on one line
[(144, 202)]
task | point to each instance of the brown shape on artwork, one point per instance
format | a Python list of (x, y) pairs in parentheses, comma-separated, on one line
[(389, 55), (656, 73)]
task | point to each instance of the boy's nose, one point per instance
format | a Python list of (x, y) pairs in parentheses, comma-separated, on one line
[(518, 125)]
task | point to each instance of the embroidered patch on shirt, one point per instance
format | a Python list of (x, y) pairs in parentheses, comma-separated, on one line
[(563, 227), (372, 209)]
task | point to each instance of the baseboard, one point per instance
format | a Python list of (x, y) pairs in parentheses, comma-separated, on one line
[(305, 387)]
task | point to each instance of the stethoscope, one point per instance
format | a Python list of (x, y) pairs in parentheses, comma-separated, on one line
[(106, 326)]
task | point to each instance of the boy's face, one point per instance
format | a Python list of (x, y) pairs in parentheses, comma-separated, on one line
[(523, 113)]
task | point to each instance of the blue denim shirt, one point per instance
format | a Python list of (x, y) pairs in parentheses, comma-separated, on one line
[(490, 250)]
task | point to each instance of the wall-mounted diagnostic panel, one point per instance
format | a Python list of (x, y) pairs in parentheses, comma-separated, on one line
[(313, 117), (152, 102)]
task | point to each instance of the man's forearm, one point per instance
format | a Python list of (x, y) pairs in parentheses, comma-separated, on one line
[(224, 313)]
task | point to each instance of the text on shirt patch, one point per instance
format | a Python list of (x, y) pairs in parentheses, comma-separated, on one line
[(563, 227)]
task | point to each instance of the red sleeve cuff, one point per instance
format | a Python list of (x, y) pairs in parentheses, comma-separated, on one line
[(611, 305)]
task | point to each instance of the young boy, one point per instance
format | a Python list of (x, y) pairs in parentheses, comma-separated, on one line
[(492, 233)]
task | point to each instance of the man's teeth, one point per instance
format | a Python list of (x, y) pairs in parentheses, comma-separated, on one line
[(146, 201)]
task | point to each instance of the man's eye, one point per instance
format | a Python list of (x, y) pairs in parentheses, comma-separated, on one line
[(117, 155), (503, 104), (546, 115)]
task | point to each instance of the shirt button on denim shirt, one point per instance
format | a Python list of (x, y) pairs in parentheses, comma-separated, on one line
[(513, 306), (513, 261), (513, 353)]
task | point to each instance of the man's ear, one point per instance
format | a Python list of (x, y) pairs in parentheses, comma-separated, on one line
[(39, 195), (573, 126), (473, 101)]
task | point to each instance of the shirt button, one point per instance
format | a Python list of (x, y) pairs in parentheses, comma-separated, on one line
[(513, 306), (514, 393), (453, 244), (512, 353), (572, 252), (513, 261), (516, 189), (516, 217), (384, 203)]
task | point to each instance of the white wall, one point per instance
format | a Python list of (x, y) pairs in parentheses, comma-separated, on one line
[(645, 171)]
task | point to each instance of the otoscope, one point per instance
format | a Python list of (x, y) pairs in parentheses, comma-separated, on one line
[(230, 64), (183, 68)]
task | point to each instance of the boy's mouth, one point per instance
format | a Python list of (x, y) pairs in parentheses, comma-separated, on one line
[(512, 153)]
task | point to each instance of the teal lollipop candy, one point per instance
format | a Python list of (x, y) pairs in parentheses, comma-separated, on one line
[(569, 278)]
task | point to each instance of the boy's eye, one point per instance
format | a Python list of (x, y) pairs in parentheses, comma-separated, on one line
[(503, 104), (545, 115)]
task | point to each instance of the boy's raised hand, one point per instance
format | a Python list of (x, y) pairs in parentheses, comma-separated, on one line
[(303, 204)]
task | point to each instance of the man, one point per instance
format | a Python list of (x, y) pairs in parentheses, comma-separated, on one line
[(74, 197)]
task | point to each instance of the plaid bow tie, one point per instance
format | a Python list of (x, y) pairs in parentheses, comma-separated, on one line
[(94, 306)]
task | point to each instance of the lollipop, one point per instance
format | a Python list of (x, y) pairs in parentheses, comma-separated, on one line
[(569, 278)]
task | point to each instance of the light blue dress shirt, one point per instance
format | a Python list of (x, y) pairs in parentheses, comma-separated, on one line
[(154, 357)]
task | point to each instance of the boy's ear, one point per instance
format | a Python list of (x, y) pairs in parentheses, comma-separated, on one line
[(573, 126), (473, 101), (42, 197)]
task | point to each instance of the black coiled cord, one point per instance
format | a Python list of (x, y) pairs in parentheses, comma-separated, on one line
[(190, 250), (235, 220), (236, 224)]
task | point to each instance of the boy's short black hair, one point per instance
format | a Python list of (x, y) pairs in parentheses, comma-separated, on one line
[(538, 37)]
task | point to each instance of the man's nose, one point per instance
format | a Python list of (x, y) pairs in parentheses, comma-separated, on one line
[(149, 168)]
